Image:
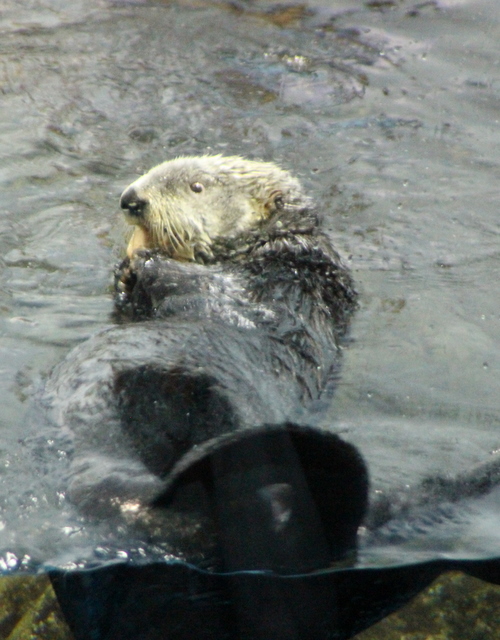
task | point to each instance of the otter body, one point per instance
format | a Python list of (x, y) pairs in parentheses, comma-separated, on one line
[(231, 305)]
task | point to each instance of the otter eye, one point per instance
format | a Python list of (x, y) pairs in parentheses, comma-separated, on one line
[(279, 202), (197, 187)]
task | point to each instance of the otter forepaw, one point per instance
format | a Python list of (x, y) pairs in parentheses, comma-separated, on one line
[(131, 290), (125, 278)]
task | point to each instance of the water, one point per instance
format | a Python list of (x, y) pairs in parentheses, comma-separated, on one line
[(387, 112)]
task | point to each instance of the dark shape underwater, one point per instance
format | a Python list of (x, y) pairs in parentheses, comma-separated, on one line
[(178, 601)]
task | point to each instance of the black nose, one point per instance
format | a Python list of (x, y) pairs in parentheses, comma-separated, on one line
[(131, 201)]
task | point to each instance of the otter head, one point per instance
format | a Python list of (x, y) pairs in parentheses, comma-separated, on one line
[(184, 206)]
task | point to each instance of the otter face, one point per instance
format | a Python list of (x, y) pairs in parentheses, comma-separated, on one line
[(184, 205)]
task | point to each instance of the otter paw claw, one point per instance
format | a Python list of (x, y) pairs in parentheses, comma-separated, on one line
[(125, 278)]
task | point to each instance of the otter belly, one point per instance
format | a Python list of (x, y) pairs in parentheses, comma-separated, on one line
[(149, 393), (145, 406)]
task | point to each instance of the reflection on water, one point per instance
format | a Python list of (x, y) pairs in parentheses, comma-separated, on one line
[(389, 114)]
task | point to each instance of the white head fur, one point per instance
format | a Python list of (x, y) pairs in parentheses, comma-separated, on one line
[(185, 205)]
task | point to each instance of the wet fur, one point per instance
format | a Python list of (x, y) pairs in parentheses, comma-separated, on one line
[(245, 332)]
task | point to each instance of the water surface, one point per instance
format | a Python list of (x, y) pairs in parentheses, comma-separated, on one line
[(388, 112)]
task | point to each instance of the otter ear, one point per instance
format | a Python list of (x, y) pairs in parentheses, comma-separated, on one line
[(275, 201)]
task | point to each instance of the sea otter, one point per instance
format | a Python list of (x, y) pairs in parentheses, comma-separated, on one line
[(231, 306)]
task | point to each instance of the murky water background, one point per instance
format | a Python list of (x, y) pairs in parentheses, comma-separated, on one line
[(389, 113)]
